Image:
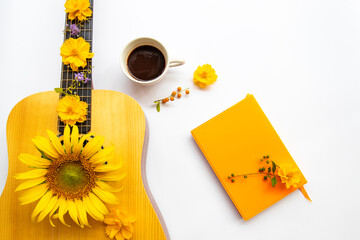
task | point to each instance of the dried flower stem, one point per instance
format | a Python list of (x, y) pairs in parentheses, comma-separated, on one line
[(159, 100), (69, 90), (171, 97), (269, 174), (248, 174)]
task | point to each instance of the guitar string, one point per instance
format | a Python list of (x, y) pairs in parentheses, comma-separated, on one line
[(63, 75), (79, 93)]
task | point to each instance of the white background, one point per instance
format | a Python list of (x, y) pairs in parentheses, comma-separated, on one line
[(300, 59)]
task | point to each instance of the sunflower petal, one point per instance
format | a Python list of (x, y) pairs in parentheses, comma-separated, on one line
[(105, 196), (73, 212), (93, 146), (99, 205), (44, 201), (33, 194), (79, 146), (108, 167), (92, 210), (111, 177), (63, 208), (34, 161), (56, 142), (89, 212), (45, 146), (67, 143), (74, 136), (51, 204), (53, 211), (30, 183), (107, 187), (82, 212), (103, 156), (36, 173)]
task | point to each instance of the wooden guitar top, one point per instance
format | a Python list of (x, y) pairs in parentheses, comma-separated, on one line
[(118, 118)]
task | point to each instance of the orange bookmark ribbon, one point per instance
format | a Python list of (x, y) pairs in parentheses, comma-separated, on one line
[(303, 191)]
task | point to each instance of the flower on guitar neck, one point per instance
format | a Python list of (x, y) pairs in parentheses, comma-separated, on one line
[(74, 174), (79, 77), (72, 110), (75, 52), (74, 30), (79, 9)]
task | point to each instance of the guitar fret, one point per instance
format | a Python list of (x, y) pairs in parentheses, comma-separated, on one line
[(68, 75)]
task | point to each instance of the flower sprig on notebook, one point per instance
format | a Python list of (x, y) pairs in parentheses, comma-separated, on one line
[(287, 173)]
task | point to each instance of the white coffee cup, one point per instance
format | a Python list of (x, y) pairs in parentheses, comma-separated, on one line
[(144, 41)]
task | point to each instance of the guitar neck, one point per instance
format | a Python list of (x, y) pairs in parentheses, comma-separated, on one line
[(83, 90)]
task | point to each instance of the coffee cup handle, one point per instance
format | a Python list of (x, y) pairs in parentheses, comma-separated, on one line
[(175, 63)]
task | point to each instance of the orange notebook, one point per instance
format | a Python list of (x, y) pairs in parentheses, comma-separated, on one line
[(234, 142)]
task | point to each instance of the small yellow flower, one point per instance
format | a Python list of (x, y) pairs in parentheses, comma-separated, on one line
[(119, 225), (290, 175), (78, 9), (72, 110), (204, 75), (75, 52)]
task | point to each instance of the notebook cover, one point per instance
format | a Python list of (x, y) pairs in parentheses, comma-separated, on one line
[(234, 142)]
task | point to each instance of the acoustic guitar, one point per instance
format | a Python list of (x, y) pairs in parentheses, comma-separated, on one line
[(117, 117)]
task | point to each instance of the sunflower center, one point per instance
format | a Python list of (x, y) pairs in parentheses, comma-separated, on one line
[(72, 176)]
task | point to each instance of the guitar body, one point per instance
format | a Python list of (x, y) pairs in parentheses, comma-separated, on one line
[(121, 120)]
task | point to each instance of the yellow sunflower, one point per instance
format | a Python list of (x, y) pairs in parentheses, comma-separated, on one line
[(72, 110), (78, 9), (75, 52), (204, 75), (75, 175), (290, 175), (119, 225)]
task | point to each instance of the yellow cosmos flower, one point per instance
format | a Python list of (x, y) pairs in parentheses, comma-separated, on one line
[(204, 75), (72, 110), (290, 175), (75, 52), (78, 9), (74, 175), (120, 225)]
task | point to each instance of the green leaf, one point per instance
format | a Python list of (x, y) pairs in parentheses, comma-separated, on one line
[(43, 154), (269, 169), (273, 181), (58, 90), (273, 166), (158, 106)]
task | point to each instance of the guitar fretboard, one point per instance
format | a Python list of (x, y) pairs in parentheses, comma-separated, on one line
[(68, 75)]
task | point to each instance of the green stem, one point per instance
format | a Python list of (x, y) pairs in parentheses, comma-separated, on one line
[(182, 90), (267, 174)]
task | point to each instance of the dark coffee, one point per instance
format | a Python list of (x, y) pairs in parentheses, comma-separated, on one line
[(146, 63)]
